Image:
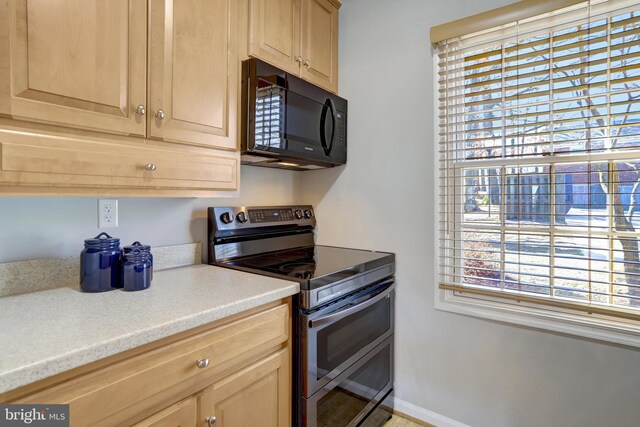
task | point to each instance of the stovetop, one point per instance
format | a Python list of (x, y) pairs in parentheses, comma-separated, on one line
[(313, 266), (279, 241)]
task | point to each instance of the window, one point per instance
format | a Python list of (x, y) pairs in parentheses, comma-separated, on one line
[(539, 165)]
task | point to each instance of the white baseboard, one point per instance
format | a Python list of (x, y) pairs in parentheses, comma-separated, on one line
[(425, 415)]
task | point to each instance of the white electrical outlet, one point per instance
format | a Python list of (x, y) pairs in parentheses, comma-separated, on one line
[(107, 213)]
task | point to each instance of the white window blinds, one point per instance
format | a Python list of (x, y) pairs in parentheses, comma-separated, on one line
[(539, 160)]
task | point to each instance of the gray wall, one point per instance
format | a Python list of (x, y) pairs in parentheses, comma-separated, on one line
[(478, 372), (33, 228)]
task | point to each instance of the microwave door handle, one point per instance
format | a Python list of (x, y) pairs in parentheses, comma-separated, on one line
[(334, 317), (332, 106), (323, 137), (329, 105)]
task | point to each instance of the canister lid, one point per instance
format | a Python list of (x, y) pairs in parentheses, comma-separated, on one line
[(136, 255), (136, 245), (101, 239)]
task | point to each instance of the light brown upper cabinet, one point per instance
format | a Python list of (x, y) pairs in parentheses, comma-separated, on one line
[(78, 63), (298, 36), (193, 71), (319, 43), (83, 64), (274, 32), (119, 97)]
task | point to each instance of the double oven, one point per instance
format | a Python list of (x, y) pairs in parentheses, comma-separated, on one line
[(343, 317), (347, 359)]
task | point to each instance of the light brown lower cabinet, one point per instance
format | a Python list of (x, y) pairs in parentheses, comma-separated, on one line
[(259, 395), (182, 414), (237, 370)]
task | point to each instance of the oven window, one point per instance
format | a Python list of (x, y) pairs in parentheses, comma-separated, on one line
[(341, 340), (348, 399)]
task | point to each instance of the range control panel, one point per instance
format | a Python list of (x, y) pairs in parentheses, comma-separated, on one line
[(248, 217), (270, 215)]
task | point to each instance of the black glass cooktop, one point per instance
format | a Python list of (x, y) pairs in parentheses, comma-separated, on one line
[(326, 263)]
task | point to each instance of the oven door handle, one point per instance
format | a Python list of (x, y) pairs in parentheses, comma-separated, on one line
[(334, 317)]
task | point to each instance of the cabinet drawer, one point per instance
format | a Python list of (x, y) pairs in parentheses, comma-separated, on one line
[(70, 163), (128, 391)]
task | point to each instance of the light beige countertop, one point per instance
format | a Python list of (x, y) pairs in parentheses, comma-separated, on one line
[(48, 332)]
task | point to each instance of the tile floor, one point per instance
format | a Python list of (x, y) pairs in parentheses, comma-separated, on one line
[(397, 421)]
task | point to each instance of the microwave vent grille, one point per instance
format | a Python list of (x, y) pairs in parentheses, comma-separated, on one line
[(269, 117)]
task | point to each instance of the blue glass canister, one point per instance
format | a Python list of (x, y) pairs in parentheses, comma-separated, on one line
[(136, 270), (100, 264), (144, 249)]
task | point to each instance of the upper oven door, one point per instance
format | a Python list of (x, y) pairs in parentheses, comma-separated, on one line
[(338, 335), (292, 118)]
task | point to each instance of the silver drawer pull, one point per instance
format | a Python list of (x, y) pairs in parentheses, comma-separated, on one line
[(211, 421), (150, 167), (202, 363), (141, 110), (160, 114)]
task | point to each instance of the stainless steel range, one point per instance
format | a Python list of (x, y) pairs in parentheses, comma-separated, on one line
[(343, 316)]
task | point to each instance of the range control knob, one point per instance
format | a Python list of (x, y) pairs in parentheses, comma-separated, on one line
[(308, 213), (298, 214), (241, 217), (226, 218)]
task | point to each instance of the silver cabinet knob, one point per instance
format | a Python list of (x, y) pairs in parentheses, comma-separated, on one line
[(299, 59), (141, 110), (160, 114), (202, 363), (307, 63), (150, 167), (211, 421)]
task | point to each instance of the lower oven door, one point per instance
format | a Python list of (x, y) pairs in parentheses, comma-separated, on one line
[(347, 400), (336, 336)]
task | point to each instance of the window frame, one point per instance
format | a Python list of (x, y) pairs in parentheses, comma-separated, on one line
[(555, 319)]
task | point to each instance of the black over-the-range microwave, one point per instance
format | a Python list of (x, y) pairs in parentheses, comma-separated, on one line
[(289, 123)]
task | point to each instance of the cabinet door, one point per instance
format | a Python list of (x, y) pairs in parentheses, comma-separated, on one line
[(274, 32), (182, 414), (193, 73), (319, 43), (259, 395), (78, 63)]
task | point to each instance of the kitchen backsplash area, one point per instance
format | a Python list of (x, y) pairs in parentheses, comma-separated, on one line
[(21, 277), (36, 228)]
